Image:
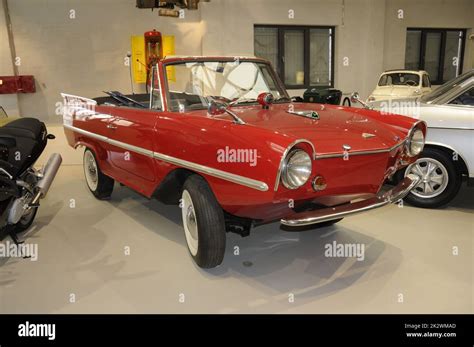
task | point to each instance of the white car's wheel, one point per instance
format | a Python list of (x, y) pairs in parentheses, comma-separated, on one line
[(440, 179), (99, 184), (203, 223)]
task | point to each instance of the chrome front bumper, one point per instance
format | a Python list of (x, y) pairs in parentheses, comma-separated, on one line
[(326, 214)]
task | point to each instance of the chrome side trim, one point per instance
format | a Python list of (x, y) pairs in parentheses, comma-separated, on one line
[(248, 182), (331, 213), (453, 128), (227, 176), (86, 133), (283, 157), (130, 148), (374, 151)]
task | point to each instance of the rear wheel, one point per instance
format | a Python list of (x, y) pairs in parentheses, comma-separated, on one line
[(99, 184), (203, 223), (440, 179)]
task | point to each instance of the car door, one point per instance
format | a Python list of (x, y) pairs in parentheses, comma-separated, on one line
[(131, 136)]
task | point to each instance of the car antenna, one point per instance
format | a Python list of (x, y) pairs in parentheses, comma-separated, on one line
[(130, 70)]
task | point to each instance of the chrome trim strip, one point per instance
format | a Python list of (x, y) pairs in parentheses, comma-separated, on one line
[(158, 73), (227, 176), (248, 182), (374, 151), (132, 148), (330, 213), (453, 128), (86, 133), (283, 157)]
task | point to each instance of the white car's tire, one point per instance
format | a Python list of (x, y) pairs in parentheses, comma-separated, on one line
[(203, 223), (440, 179)]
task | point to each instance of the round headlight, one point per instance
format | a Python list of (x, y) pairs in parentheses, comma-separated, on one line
[(296, 169), (416, 143)]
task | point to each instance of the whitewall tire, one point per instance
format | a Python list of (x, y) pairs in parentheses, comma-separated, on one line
[(203, 223)]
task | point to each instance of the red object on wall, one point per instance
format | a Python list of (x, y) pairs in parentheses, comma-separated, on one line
[(17, 84)]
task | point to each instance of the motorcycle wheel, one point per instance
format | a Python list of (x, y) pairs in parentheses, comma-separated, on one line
[(25, 221)]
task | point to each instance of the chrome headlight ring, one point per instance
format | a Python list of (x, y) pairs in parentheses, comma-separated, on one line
[(296, 169), (415, 141)]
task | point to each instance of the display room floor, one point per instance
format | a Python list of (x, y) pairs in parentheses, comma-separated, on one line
[(128, 255)]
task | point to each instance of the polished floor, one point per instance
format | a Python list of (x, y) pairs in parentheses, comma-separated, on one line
[(128, 255)]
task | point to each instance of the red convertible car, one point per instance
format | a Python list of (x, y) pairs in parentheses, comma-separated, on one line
[(221, 137)]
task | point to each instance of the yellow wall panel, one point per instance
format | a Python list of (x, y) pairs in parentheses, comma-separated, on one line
[(168, 49), (138, 53)]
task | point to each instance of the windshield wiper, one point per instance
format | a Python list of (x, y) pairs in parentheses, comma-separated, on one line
[(242, 101), (283, 98)]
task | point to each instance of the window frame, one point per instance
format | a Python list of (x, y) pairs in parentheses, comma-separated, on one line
[(306, 51), (167, 97), (442, 51)]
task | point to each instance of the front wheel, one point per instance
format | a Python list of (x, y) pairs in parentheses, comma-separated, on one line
[(203, 223), (440, 179)]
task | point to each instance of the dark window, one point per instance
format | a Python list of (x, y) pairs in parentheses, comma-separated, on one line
[(303, 56), (466, 98), (399, 79), (438, 51)]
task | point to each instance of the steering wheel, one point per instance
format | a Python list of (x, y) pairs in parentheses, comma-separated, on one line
[(411, 83)]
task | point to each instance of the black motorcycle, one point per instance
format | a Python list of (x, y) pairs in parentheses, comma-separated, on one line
[(21, 185)]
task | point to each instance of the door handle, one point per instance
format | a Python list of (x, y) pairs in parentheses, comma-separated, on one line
[(111, 126)]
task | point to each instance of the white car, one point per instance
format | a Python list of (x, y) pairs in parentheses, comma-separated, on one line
[(448, 155), (395, 84)]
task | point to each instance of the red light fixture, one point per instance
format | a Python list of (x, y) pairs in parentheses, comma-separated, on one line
[(265, 99)]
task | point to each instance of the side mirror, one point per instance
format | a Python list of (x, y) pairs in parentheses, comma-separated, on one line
[(215, 108), (356, 98)]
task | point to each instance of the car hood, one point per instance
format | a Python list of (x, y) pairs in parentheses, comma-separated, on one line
[(399, 91), (336, 126)]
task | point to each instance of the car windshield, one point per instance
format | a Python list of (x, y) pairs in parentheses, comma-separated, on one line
[(399, 79), (448, 86), (192, 85)]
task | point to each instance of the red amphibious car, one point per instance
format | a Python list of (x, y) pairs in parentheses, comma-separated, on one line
[(221, 137)]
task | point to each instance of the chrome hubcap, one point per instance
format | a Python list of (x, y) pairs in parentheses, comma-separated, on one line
[(190, 223), (90, 170), (434, 177)]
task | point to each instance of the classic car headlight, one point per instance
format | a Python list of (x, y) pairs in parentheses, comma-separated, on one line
[(296, 169), (416, 142)]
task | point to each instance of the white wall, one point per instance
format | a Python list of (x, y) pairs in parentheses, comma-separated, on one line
[(8, 101), (85, 55)]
